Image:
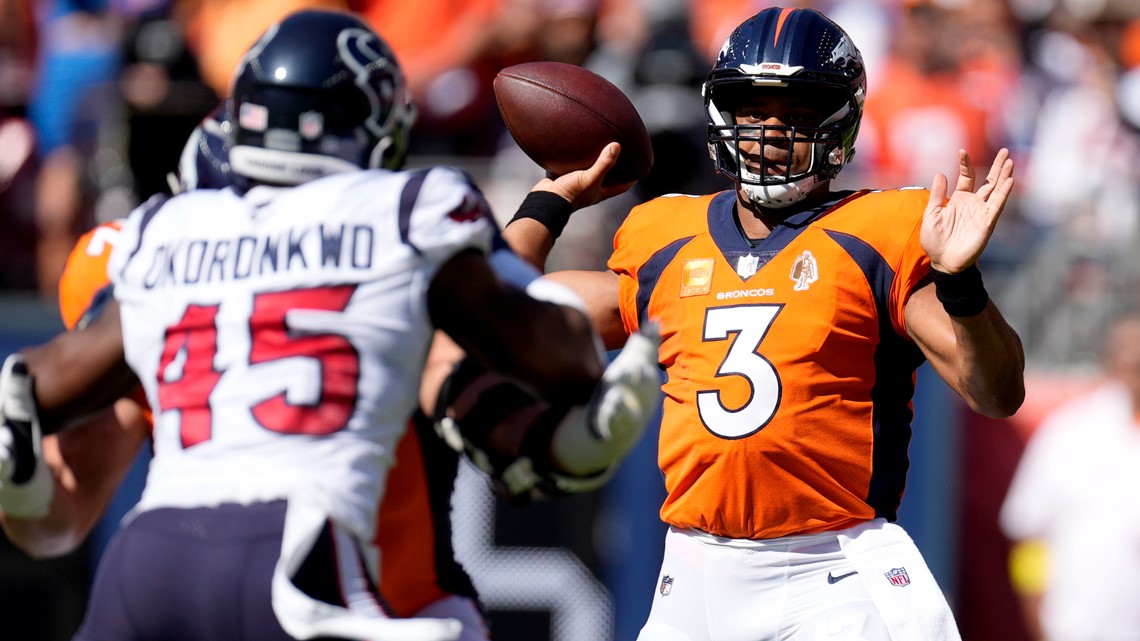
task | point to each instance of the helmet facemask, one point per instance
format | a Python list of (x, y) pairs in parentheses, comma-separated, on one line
[(767, 181), (798, 78)]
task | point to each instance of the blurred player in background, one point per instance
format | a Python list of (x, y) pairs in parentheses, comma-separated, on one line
[(793, 319), (227, 354), (1072, 512), (89, 461)]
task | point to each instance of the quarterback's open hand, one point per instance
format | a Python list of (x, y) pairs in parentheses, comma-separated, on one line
[(955, 230)]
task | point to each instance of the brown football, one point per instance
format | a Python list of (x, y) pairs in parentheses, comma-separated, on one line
[(563, 115)]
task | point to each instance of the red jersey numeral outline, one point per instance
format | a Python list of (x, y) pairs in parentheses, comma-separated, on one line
[(195, 339)]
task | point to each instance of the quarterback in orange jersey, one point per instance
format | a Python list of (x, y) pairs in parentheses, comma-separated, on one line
[(793, 319)]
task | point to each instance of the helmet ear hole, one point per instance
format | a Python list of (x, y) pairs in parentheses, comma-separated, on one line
[(836, 157)]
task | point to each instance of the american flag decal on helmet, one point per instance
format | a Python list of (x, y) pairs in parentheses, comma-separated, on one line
[(898, 576), (253, 117)]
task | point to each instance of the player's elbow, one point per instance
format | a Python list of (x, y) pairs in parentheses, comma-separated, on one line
[(1000, 400), (995, 386)]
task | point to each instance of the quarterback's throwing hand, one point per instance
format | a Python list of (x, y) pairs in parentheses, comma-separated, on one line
[(955, 230)]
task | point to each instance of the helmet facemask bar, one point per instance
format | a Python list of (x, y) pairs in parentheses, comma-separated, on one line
[(725, 143), (797, 67), (826, 157)]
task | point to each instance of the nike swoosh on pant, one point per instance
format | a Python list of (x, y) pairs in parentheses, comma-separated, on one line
[(837, 579)]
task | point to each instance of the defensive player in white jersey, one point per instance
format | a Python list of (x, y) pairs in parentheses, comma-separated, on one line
[(418, 573), (280, 333)]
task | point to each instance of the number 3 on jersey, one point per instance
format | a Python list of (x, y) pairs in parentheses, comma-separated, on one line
[(750, 324), (187, 377)]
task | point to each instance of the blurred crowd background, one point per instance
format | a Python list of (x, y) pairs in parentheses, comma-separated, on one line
[(98, 96)]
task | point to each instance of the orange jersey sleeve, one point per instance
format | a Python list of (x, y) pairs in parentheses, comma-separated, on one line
[(85, 272), (789, 372)]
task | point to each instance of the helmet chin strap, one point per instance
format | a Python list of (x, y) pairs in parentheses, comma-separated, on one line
[(779, 196), (783, 195)]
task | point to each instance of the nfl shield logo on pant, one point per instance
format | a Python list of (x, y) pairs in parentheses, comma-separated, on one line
[(666, 585), (898, 576)]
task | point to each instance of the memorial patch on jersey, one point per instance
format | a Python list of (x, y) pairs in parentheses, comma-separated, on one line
[(805, 271), (696, 277)]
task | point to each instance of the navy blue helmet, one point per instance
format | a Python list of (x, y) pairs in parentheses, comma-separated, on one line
[(797, 51), (205, 160), (319, 93)]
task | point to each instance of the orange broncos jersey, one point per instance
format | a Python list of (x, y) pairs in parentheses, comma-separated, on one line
[(789, 372), (417, 561), (85, 272)]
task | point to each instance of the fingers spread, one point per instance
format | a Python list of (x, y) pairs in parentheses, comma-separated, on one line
[(1001, 168), (1001, 191), (965, 172)]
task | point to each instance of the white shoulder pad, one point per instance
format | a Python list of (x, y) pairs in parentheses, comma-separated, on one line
[(446, 213)]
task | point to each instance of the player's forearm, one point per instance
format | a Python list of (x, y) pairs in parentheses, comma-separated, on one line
[(52, 535), (599, 290), (545, 211), (990, 364), (538, 222), (551, 354), (88, 463), (79, 372), (531, 240), (549, 348), (55, 533), (979, 356)]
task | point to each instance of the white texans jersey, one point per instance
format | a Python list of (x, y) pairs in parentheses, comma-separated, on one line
[(280, 334)]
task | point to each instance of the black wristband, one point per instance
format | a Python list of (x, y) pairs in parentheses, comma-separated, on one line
[(961, 294), (546, 207)]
